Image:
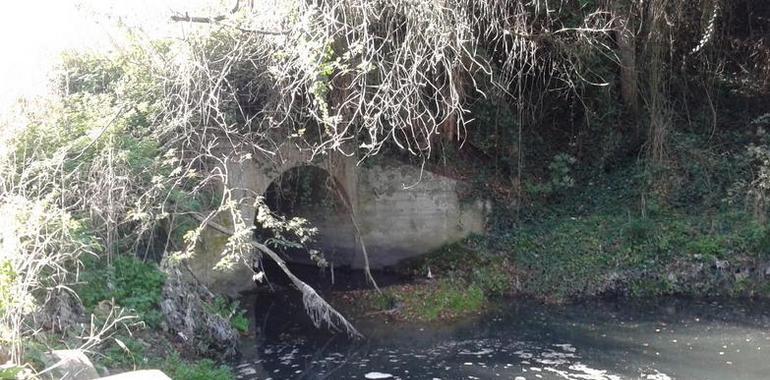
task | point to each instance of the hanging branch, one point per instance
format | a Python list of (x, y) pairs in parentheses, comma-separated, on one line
[(218, 20), (359, 238), (318, 309)]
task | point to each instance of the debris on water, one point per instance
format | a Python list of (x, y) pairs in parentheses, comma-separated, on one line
[(484, 351)]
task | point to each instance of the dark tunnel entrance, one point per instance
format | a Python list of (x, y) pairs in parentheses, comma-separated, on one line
[(310, 193)]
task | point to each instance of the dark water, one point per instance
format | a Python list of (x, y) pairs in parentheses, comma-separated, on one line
[(665, 339)]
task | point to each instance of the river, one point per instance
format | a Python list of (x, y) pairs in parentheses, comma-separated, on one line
[(597, 340)]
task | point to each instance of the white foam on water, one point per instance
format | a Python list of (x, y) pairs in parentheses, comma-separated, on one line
[(566, 347), (484, 351), (378, 375), (656, 376)]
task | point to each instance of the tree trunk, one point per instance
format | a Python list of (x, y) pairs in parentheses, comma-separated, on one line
[(627, 54)]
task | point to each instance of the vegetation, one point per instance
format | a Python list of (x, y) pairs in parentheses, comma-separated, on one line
[(205, 369), (466, 278), (128, 283), (231, 312), (444, 299), (623, 144)]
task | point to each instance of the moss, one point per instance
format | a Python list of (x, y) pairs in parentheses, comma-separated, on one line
[(469, 274), (441, 300), (445, 299)]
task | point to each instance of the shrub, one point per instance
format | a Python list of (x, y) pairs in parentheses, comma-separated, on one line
[(38, 243), (231, 312), (179, 369), (122, 352), (128, 282)]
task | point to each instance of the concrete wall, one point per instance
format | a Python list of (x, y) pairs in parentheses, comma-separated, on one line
[(401, 215), (401, 212)]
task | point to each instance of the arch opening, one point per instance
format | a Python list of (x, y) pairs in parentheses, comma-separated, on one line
[(311, 193)]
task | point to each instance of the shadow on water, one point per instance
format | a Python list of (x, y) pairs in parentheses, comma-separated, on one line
[(659, 339)]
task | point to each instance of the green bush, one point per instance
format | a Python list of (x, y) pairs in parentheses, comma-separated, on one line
[(230, 311), (131, 283), (11, 373), (122, 352), (708, 245), (179, 369), (639, 230)]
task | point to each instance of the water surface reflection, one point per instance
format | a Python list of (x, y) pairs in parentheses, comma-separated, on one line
[(668, 339)]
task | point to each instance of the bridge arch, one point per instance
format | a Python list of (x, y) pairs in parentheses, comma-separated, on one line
[(248, 178), (394, 221), (315, 194)]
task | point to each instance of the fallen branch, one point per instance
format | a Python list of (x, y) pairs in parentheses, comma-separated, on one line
[(218, 20), (206, 20), (318, 309)]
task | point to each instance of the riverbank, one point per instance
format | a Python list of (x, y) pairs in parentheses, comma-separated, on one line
[(593, 242), (571, 262)]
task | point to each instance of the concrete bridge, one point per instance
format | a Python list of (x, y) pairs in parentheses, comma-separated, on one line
[(401, 210)]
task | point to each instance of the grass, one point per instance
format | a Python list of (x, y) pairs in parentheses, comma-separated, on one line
[(134, 354), (568, 257), (440, 300), (205, 369), (142, 349), (595, 241), (446, 300), (468, 277)]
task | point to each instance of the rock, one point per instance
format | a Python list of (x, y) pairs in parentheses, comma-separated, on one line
[(147, 374), (70, 365)]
